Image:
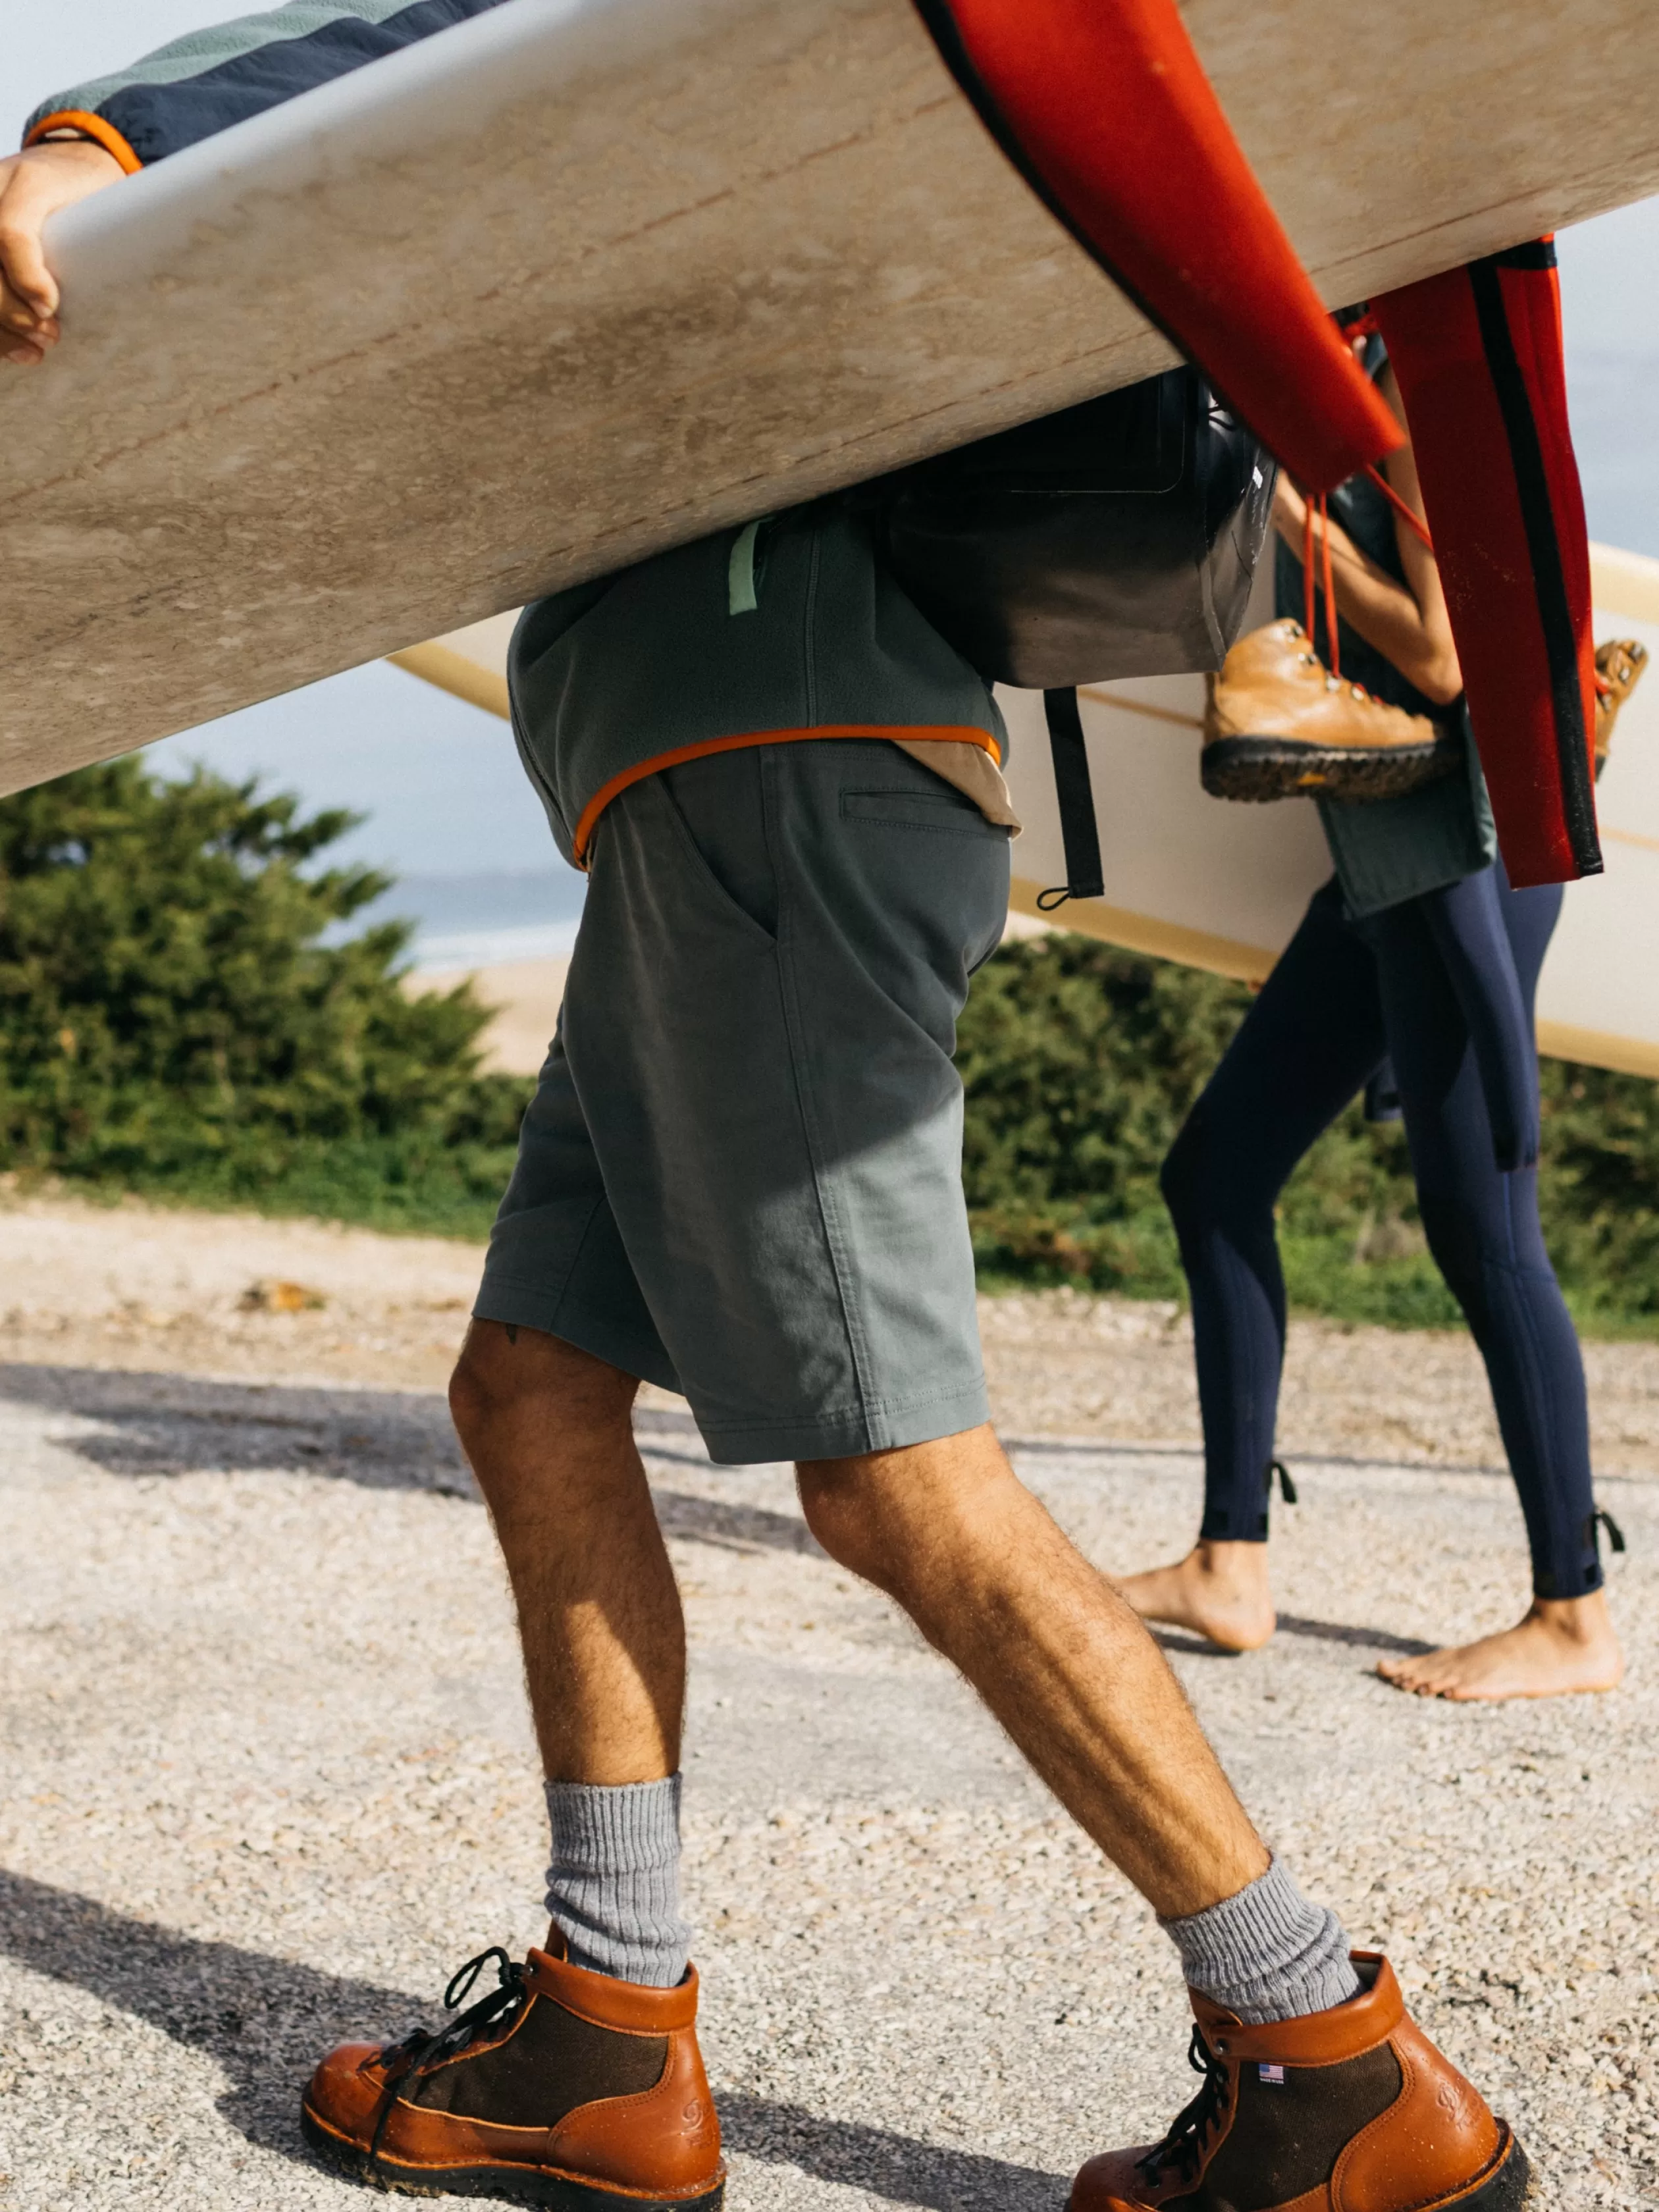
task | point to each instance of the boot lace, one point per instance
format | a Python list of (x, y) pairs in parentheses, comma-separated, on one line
[(1319, 504), (1184, 2146), (421, 2046)]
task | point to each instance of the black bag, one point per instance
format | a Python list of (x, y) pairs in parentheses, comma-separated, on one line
[(1117, 538)]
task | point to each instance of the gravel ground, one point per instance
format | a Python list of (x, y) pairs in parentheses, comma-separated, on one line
[(133, 1287), (269, 1774)]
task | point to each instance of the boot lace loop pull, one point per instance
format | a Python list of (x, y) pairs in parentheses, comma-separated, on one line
[(421, 2045), (1190, 2130)]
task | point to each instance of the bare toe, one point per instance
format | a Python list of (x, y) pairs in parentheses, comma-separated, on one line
[(1560, 1649)]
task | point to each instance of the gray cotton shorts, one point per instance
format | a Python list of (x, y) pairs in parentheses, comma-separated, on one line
[(741, 1174)]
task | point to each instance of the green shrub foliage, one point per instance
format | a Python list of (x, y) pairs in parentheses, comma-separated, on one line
[(173, 1020), (1079, 1063), (168, 1010), (1599, 1186)]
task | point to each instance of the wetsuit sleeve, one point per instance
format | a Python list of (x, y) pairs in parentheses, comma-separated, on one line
[(1104, 108), (1478, 352), (202, 83)]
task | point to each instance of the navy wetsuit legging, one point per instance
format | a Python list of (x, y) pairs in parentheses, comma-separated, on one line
[(1345, 995)]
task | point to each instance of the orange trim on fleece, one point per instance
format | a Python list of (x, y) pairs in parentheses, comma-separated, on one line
[(901, 732), (89, 126)]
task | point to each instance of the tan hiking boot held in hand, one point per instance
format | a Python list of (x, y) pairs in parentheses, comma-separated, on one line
[(1618, 665), (1351, 2110), (1278, 725), (561, 2087)]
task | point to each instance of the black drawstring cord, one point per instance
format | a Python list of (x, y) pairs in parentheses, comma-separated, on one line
[(421, 2045), (1615, 1534), (1184, 2144), (1286, 1487)]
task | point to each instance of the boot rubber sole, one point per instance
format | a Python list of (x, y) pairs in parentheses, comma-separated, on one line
[(1506, 2185), (521, 2185), (1261, 769)]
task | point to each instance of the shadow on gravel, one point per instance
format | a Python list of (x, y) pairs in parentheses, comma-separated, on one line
[(1366, 1639), (1323, 1631), (1195, 1647), (160, 1424), (732, 1527), (154, 1423), (266, 2021), (897, 2168)]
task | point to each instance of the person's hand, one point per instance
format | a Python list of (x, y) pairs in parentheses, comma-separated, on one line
[(33, 186)]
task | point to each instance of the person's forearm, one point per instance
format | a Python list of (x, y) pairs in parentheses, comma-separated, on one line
[(1387, 617), (1381, 609), (203, 83)]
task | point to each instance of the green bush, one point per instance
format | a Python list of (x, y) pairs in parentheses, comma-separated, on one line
[(1079, 1064), (1599, 1189), (173, 1022), (170, 1017)]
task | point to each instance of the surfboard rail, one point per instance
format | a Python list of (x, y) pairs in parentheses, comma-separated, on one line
[(577, 280), (1221, 887)]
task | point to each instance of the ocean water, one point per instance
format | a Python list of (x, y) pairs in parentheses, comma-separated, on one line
[(441, 801), (480, 920)]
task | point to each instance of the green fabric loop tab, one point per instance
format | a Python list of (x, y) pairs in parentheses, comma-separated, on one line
[(740, 598)]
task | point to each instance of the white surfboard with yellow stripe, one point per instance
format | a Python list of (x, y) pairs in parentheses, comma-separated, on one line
[(1222, 886)]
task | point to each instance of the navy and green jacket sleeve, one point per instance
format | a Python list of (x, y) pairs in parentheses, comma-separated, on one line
[(202, 83)]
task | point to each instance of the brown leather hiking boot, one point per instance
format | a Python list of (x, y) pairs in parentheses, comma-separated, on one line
[(1351, 2110), (1278, 725), (560, 2088), (1618, 665)]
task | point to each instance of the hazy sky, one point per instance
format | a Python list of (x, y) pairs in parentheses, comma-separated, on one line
[(441, 779)]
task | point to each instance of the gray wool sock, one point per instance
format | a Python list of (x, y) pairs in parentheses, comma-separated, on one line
[(1267, 1953), (614, 1884)]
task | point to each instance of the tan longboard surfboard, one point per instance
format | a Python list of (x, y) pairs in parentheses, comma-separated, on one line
[(1222, 886), (578, 279)]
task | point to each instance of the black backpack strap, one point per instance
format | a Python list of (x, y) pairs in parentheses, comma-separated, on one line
[(1076, 803)]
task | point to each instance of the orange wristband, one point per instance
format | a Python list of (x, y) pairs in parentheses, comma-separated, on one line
[(88, 126)]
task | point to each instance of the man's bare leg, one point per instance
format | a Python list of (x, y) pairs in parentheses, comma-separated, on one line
[(1220, 1589), (579, 2073), (1558, 1646), (949, 1531), (944, 1527), (548, 1431)]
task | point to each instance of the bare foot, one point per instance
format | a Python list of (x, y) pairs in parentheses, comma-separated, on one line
[(1561, 1646), (1219, 1589)]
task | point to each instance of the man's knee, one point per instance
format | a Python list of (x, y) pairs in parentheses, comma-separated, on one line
[(506, 1374), (879, 1513), (842, 1500)]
